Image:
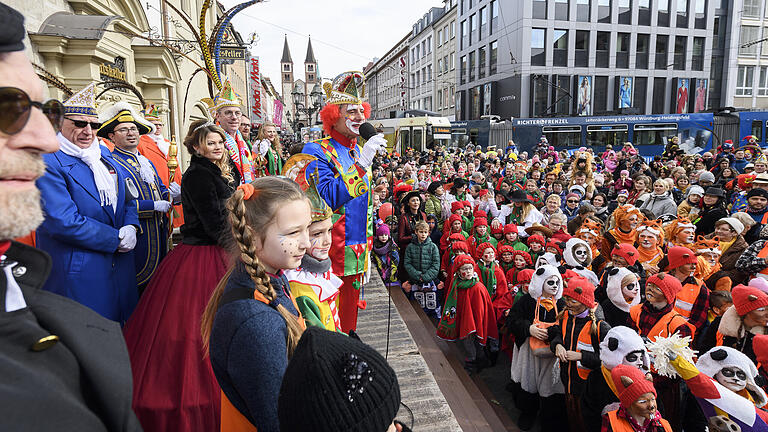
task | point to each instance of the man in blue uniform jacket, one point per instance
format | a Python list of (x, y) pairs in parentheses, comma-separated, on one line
[(122, 125), (64, 367), (91, 222)]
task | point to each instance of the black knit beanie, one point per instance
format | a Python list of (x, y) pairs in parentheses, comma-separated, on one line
[(336, 383), (11, 29)]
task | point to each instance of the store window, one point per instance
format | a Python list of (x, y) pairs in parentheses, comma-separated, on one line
[(600, 94)]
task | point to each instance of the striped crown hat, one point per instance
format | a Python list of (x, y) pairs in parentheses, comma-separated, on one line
[(346, 88), (82, 102), (227, 97), (151, 112)]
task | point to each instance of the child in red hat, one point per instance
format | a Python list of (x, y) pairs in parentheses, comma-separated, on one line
[(536, 245), (512, 239), (468, 314), (521, 260), (574, 340), (638, 410), (480, 235), (692, 301)]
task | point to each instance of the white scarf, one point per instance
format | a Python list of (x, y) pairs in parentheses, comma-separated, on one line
[(147, 171), (162, 144), (91, 156)]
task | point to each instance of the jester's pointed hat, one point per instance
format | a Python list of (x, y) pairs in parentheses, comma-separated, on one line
[(346, 88), (82, 102), (295, 168), (226, 98), (152, 113), (761, 159)]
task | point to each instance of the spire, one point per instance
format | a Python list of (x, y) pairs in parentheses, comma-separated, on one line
[(286, 52), (310, 53)]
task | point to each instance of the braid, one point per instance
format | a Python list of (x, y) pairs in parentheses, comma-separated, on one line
[(593, 326)]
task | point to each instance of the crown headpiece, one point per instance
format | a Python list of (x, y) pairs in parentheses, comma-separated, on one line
[(82, 102), (295, 168), (227, 97), (346, 88)]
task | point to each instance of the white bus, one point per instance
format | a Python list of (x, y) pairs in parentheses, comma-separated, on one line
[(417, 133)]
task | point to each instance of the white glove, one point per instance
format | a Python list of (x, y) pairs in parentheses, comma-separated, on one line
[(162, 206), (371, 147), (175, 190), (127, 235)]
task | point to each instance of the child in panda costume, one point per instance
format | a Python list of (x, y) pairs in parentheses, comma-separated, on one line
[(623, 290), (534, 377), (621, 345), (723, 382), (578, 257)]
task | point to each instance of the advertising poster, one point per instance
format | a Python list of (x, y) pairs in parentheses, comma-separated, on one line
[(681, 95), (254, 94), (701, 95), (277, 119), (625, 91), (584, 96), (487, 98)]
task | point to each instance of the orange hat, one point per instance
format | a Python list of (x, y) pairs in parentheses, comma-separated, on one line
[(631, 383), (581, 290), (747, 298), (679, 256), (626, 251), (668, 284)]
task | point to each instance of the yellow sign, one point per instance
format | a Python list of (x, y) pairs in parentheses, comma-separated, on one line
[(111, 72)]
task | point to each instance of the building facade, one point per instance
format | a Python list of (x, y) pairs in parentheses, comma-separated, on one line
[(386, 82), (290, 83), (584, 57), (749, 73), (422, 61), (81, 41), (445, 62)]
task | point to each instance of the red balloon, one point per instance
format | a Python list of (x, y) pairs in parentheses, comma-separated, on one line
[(385, 211)]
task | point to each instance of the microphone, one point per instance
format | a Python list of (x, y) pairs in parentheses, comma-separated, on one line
[(367, 131)]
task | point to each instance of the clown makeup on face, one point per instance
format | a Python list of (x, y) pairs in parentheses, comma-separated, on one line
[(574, 306), (536, 246), (647, 240), (520, 262), (686, 236), (644, 408), (634, 358), (456, 226), (320, 239), (481, 230), (732, 378), (506, 257), (287, 238), (489, 255), (633, 220), (511, 237), (630, 288), (466, 271), (654, 295), (711, 258), (353, 118), (551, 287)]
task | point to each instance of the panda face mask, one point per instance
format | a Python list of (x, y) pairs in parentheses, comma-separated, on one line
[(630, 288), (732, 378), (581, 254), (634, 358), (551, 286)]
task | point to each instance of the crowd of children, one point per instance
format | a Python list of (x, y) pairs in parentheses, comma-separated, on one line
[(571, 274)]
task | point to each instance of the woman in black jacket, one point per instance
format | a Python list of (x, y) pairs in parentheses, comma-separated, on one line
[(163, 334), (713, 209)]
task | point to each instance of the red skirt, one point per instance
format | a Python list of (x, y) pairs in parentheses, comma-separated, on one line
[(476, 314), (174, 388)]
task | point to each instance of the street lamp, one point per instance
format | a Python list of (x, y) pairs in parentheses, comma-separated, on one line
[(300, 109)]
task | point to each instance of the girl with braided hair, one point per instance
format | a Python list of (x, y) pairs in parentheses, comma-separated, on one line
[(252, 325)]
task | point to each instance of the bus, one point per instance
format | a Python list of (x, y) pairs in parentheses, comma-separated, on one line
[(417, 133), (475, 132)]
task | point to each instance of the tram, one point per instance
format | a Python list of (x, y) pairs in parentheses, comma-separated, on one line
[(417, 133)]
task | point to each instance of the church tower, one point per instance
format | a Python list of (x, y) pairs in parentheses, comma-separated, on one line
[(311, 74), (286, 76)]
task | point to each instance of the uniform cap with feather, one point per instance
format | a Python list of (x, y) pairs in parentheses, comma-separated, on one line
[(122, 112)]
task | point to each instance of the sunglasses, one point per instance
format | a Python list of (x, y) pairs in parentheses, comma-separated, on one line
[(82, 124), (16, 107), (729, 373), (573, 201)]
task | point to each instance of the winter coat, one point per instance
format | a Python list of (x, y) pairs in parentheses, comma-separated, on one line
[(422, 261), (709, 216), (728, 263), (591, 360), (660, 204), (433, 206)]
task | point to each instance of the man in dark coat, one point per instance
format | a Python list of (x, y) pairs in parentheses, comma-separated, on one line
[(65, 367)]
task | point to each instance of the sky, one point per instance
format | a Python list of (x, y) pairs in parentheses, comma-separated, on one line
[(346, 34)]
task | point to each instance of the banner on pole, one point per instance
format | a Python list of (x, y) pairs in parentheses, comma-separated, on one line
[(254, 95), (278, 117)]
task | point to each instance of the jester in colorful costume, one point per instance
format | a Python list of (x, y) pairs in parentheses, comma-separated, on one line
[(225, 109), (344, 170)]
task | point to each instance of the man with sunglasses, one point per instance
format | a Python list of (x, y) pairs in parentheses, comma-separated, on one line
[(91, 221), (69, 366)]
